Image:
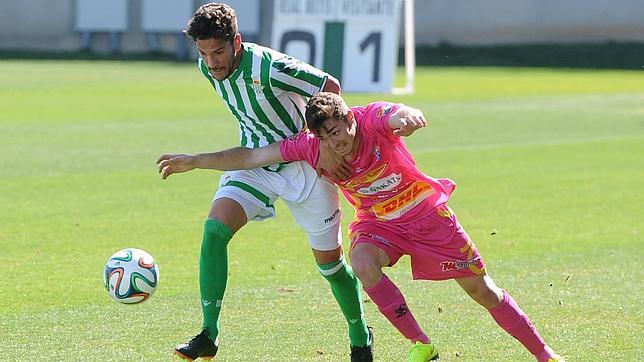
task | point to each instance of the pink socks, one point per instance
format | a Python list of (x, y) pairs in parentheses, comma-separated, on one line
[(507, 314), (392, 305), (513, 320)]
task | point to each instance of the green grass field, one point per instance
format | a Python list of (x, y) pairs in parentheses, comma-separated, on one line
[(553, 160)]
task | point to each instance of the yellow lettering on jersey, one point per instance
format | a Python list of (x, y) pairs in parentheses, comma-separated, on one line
[(366, 178), (404, 201)]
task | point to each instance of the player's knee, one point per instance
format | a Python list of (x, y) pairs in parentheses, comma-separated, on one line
[(485, 295), (366, 268), (229, 213), (216, 235)]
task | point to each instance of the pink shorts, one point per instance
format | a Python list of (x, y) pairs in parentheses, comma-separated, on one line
[(437, 244)]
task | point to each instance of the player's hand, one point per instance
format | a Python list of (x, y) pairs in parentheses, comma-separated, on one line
[(410, 124), (332, 164), (171, 164)]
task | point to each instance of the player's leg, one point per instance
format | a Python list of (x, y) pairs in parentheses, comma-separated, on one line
[(346, 290), (226, 216), (319, 215), (507, 314), (482, 289), (343, 282), (231, 209), (368, 260), (466, 266)]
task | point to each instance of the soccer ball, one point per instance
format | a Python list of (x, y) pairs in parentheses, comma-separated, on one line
[(131, 276)]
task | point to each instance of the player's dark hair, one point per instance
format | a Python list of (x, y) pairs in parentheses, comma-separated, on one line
[(323, 106), (213, 20)]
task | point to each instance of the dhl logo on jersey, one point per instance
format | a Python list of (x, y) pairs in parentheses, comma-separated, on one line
[(403, 202), (367, 178)]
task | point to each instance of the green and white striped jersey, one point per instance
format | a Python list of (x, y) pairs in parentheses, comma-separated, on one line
[(267, 94)]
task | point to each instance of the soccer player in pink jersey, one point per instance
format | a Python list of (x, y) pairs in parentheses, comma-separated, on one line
[(399, 211)]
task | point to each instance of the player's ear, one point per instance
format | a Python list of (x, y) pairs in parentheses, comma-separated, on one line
[(350, 118), (237, 41)]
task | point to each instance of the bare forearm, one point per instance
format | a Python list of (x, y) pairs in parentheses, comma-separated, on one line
[(239, 158), (230, 159)]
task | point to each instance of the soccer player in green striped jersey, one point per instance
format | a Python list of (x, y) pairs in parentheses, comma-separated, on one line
[(266, 91)]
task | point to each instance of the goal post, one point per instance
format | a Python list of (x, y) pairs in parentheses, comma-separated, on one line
[(409, 46)]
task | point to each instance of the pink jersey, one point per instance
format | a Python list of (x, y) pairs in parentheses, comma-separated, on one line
[(386, 184)]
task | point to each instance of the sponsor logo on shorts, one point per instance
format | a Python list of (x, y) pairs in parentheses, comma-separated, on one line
[(458, 264), (378, 238), (330, 218), (355, 235)]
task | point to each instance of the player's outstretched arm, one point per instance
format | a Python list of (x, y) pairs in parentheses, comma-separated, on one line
[(238, 158), (406, 120)]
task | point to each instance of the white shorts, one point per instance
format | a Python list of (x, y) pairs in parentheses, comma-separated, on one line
[(313, 201)]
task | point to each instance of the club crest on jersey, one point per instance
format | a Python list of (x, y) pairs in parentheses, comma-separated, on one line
[(257, 86), (384, 110), (376, 152)]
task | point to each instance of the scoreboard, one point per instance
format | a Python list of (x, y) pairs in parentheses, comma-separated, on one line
[(356, 41)]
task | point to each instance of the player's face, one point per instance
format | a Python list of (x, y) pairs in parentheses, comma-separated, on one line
[(221, 56), (340, 135)]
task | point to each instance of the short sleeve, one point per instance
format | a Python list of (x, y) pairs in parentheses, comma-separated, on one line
[(293, 75), (303, 146), (378, 114)]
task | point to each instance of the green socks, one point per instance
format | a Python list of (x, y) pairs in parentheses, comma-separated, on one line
[(346, 290), (213, 273)]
